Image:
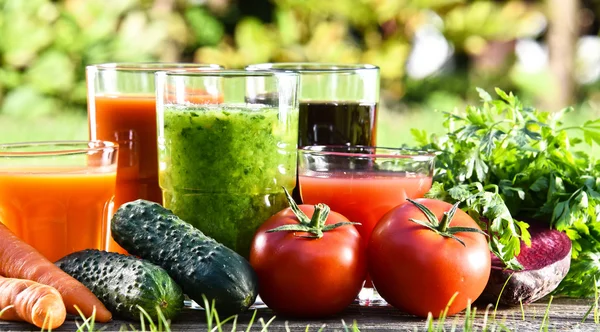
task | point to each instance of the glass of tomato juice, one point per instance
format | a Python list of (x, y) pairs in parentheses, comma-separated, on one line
[(122, 108), (363, 183), (57, 196)]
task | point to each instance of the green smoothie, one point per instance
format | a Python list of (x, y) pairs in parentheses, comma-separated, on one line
[(222, 168)]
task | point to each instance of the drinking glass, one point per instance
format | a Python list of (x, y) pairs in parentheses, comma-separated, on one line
[(338, 103), (122, 108), (224, 157), (363, 183), (57, 196)]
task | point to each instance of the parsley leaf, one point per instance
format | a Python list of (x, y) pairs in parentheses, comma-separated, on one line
[(514, 164)]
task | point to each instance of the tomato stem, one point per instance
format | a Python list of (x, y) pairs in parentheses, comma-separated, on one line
[(445, 222), (319, 217), (315, 225), (442, 227), (302, 217)]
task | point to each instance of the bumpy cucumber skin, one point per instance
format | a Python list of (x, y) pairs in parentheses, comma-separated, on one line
[(199, 264), (123, 282)]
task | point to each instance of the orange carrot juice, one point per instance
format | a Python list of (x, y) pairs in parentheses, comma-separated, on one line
[(363, 197), (57, 210), (130, 120)]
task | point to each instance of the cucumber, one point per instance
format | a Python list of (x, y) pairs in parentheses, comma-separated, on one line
[(198, 263), (123, 283)]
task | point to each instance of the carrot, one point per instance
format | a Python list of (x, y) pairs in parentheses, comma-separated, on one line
[(20, 260), (32, 302)]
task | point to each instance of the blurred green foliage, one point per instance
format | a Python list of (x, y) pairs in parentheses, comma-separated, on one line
[(45, 45), (370, 31)]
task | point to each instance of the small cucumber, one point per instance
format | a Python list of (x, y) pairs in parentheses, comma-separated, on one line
[(123, 283), (199, 264)]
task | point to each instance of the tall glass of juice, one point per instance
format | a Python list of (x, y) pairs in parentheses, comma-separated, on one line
[(122, 108), (363, 183), (57, 196), (338, 103), (224, 155)]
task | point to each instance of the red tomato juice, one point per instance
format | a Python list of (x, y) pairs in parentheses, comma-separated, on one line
[(362, 197), (57, 211)]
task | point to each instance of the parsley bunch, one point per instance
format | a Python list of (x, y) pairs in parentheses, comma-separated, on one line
[(512, 165)]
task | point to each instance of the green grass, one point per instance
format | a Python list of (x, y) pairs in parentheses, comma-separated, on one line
[(468, 320)]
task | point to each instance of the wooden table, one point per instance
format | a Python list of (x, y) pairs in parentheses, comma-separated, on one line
[(561, 315)]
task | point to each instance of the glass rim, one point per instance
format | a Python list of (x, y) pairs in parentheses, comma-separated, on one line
[(76, 147), (226, 73), (152, 66), (387, 152), (313, 67)]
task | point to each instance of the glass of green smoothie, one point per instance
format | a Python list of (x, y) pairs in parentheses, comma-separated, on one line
[(224, 154)]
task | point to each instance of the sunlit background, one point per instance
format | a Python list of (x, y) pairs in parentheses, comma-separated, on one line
[(432, 53)]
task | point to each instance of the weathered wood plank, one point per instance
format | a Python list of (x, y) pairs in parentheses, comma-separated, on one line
[(563, 314)]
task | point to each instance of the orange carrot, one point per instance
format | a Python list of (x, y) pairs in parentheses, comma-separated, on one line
[(20, 260), (32, 302)]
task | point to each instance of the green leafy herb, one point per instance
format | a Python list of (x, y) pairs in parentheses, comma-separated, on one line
[(513, 165)]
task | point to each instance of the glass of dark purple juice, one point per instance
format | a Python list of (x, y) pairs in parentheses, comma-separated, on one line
[(338, 102)]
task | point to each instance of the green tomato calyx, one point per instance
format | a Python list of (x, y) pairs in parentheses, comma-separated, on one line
[(315, 226), (442, 227)]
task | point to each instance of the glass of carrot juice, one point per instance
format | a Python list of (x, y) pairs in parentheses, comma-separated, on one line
[(122, 109), (363, 183), (57, 196)]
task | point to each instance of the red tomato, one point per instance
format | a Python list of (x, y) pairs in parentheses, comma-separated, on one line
[(417, 270), (308, 277)]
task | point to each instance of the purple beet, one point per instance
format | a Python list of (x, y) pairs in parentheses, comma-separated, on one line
[(545, 264)]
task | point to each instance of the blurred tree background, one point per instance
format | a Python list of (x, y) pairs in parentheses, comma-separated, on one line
[(432, 53)]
